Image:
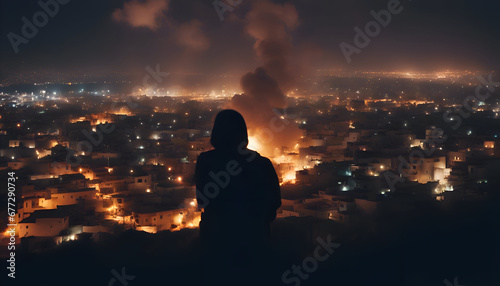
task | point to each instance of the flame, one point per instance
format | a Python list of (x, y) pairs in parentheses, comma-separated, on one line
[(289, 178), (195, 222), (254, 144)]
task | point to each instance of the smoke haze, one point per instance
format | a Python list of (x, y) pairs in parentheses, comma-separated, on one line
[(142, 14), (264, 89)]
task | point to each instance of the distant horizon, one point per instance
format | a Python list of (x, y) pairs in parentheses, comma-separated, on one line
[(101, 76)]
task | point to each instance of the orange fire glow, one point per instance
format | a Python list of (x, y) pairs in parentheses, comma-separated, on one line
[(288, 176), (254, 144)]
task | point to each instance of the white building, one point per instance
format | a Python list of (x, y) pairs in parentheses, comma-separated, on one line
[(44, 223)]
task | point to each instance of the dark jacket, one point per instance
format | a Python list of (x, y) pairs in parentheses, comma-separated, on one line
[(239, 192)]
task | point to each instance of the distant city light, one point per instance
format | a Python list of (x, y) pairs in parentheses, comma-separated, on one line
[(328, 147)]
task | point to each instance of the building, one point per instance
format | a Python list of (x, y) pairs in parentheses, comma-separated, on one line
[(44, 223)]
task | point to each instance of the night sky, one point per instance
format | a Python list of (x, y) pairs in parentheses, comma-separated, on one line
[(188, 36)]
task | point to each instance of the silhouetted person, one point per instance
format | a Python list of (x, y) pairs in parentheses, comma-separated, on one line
[(239, 192)]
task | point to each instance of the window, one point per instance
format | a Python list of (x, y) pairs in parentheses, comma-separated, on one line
[(139, 180), (26, 226), (161, 216), (146, 220)]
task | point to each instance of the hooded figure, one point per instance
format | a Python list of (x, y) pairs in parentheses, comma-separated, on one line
[(239, 193)]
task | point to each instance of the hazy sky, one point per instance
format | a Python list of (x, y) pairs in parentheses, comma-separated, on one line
[(188, 35)]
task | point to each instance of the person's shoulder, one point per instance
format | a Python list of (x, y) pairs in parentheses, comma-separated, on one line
[(261, 159), (206, 154)]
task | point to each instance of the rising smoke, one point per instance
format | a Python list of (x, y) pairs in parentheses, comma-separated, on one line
[(146, 14), (151, 14), (264, 89)]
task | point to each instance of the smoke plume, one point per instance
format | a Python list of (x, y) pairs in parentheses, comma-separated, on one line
[(264, 89), (191, 36), (141, 14), (152, 14), (270, 24)]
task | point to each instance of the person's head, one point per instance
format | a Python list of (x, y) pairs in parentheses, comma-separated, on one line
[(229, 131)]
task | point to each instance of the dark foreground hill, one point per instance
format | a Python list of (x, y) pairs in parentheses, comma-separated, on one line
[(420, 249)]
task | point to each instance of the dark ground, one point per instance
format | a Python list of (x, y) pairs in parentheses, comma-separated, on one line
[(423, 247)]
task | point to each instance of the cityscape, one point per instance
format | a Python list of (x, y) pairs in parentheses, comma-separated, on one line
[(398, 166)]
